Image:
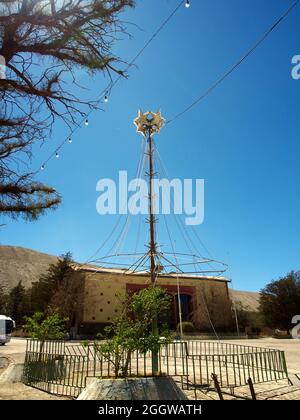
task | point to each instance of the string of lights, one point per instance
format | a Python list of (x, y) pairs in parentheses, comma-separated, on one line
[(104, 95), (236, 64)]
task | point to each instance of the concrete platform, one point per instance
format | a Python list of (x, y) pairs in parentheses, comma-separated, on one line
[(151, 389)]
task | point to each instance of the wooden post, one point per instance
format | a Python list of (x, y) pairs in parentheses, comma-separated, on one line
[(217, 386)]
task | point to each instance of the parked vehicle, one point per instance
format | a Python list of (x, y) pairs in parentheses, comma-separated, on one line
[(7, 326)]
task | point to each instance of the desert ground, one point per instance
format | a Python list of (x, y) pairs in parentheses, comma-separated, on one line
[(15, 353)]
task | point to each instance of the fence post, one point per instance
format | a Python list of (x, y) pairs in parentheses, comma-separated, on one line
[(284, 364), (217, 386), (250, 383)]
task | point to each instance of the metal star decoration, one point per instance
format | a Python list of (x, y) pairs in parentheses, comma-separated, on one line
[(149, 122)]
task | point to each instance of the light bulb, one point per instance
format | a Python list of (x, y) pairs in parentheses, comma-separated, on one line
[(70, 140), (106, 99), (56, 155), (86, 122), (187, 4), (42, 167)]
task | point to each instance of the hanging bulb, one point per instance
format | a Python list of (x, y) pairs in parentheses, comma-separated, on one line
[(106, 98), (187, 4), (86, 122), (56, 155), (70, 140), (42, 167)]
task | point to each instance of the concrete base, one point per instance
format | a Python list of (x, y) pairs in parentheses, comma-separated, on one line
[(151, 389)]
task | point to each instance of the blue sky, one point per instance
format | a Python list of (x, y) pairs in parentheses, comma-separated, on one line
[(243, 139)]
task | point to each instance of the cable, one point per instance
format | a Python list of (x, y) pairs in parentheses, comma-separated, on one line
[(179, 222), (188, 239), (236, 65), (138, 171), (111, 85)]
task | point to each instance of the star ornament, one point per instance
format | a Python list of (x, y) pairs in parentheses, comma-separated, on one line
[(149, 122)]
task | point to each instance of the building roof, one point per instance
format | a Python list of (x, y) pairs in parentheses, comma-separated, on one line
[(123, 271)]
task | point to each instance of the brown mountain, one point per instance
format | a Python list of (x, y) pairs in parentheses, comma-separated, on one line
[(249, 300), (27, 265), (22, 264)]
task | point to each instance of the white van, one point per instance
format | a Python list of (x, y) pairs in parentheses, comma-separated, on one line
[(7, 326)]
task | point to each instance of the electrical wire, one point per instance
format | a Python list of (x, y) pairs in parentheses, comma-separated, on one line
[(236, 65), (112, 84), (190, 250)]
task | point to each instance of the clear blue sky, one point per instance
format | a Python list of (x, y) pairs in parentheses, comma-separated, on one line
[(243, 139)]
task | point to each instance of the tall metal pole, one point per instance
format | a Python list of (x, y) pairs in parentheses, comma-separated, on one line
[(148, 124), (152, 219), (152, 243)]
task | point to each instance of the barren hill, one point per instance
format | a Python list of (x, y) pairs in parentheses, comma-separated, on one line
[(27, 265), (22, 264), (250, 300)]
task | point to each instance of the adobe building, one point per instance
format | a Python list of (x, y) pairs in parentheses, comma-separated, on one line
[(204, 300)]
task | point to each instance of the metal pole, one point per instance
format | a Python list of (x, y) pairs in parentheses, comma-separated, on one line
[(179, 309), (152, 244), (236, 320), (148, 124), (178, 297)]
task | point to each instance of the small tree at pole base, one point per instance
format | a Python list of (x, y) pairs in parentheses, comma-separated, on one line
[(132, 330)]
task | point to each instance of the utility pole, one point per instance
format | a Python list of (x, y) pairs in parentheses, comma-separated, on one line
[(148, 124)]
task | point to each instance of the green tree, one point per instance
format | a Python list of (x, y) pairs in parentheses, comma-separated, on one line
[(18, 303), (132, 331), (43, 291), (68, 299), (42, 327), (280, 301), (3, 301)]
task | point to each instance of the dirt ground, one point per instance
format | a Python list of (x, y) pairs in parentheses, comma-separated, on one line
[(20, 391), (289, 346), (15, 352)]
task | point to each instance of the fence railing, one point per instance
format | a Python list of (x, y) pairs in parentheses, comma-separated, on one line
[(62, 369)]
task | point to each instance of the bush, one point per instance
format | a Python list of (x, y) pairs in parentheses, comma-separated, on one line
[(43, 327), (128, 334), (187, 327)]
